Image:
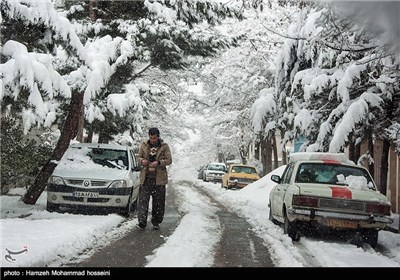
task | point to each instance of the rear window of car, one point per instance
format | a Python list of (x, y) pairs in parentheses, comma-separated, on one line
[(322, 173), (217, 167), (244, 169)]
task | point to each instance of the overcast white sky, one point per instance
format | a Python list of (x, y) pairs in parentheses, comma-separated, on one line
[(47, 236)]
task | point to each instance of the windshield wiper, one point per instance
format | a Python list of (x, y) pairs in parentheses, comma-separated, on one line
[(115, 164)]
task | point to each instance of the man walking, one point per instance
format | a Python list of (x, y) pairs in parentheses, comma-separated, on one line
[(154, 155)]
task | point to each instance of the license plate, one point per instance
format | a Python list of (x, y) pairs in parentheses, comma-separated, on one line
[(85, 194), (342, 223)]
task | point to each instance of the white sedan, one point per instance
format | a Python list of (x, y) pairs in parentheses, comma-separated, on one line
[(92, 176), (328, 191)]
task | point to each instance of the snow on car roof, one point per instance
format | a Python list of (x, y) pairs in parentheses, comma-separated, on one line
[(325, 157), (217, 163), (241, 164)]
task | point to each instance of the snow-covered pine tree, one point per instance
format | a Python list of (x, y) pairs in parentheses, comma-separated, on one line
[(156, 33)]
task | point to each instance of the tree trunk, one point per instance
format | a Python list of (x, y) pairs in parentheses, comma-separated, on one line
[(257, 147), (371, 166), (357, 152), (92, 10), (266, 155), (89, 138), (352, 152), (68, 133), (275, 150), (220, 155), (243, 152), (384, 166), (81, 122), (284, 154)]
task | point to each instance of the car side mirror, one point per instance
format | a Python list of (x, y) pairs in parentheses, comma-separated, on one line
[(276, 178), (136, 168)]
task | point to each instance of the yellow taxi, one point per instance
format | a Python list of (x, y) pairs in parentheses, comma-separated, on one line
[(239, 176)]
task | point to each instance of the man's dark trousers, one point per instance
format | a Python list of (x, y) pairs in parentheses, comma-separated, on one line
[(157, 193)]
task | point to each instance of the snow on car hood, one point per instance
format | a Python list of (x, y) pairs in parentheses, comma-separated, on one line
[(105, 174), (210, 171)]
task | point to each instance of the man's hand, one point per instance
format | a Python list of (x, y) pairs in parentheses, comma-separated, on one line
[(153, 164), (145, 162)]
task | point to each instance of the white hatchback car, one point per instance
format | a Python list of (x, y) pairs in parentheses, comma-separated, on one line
[(214, 172), (328, 191), (95, 176)]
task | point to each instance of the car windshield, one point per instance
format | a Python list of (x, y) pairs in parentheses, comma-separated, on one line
[(100, 156), (244, 169), (334, 174), (217, 167)]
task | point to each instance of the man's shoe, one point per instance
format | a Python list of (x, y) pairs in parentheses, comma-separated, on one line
[(156, 227), (142, 226)]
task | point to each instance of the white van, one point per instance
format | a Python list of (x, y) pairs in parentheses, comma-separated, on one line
[(95, 176)]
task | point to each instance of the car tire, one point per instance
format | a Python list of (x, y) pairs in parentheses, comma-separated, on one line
[(127, 210), (290, 229), (370, 236)]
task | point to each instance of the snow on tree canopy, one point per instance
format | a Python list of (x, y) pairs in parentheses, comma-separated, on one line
[(262, 107)]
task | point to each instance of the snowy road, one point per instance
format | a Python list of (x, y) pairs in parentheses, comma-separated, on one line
[(198, 218), (206, 226), (231, 242), (322, 251)]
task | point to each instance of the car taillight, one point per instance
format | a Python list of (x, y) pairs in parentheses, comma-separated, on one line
[(375, 208), (307, 201)]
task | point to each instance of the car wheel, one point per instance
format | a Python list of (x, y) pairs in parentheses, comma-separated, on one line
[(370, 236), (126, 211), (290, 229)]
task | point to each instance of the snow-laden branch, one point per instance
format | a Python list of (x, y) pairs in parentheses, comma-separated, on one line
[(43, 11), (263, 107), (357, 113)]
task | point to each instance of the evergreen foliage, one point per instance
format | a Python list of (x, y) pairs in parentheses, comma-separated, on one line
[(21, 158)]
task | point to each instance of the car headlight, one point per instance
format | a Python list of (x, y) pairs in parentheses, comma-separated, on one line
[(56, 180), (118, 184)]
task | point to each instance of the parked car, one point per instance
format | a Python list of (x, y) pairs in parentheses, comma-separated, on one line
[(214, 172), (95, 176), (201, 172), (239, 176), (231, 159), (320, 191)]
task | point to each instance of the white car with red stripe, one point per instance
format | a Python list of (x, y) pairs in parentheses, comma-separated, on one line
[(326, 191)]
